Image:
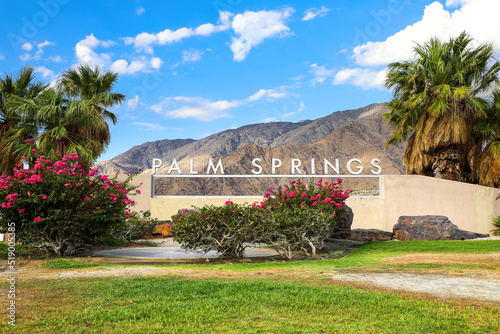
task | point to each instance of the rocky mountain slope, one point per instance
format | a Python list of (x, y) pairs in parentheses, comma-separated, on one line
[(343, 135)]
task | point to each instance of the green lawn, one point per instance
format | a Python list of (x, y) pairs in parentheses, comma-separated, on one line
[(248, 303)]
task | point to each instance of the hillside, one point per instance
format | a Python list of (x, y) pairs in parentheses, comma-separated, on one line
[(359, 133)]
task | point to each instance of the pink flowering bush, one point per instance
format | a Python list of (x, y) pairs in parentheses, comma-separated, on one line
[(58, 205), (295, 217), (225, 229), (301, 216)]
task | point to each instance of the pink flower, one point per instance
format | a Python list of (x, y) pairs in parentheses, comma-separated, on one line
[(98, 207), (138, 191), (228, 203), (38, 219), (44, 197), (234, 211), (315, 203)]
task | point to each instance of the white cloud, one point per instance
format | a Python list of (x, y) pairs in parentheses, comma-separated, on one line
[(268, 95), (132, 104), (149, 126), (361, 77), (475, 17), (313, 13), (140, 11), (269, 120), (45, 72), (123, 67), (456, 3), (39, 50), (85, 54), (27, 47), (194, 107), (191, 55), (302, 106), (156, 63), (144, 41), (252, 28), (320, 73), (204, 109), (2, 57), (56, 59)]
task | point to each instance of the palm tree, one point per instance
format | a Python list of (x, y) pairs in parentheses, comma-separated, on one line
[(94, 88), (13, 130), (437, 102), (487, 162)]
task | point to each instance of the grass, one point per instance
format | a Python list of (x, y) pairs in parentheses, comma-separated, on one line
[(169, 305), (293, 301), (68, 264)]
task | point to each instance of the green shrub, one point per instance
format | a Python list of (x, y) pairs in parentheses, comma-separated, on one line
[(225, 229), (300, 216), (135, 226), (297, 217), (58, 205)]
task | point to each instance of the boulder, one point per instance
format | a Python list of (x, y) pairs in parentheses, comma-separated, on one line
[(343, 231), (345, 219), (430, 228), (163, 229), (366, 235)]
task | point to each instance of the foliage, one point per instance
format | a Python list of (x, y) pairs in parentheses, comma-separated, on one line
[(297, 217), (71, 117), (135, 226), (496, 223), (300, 216), (59, 206), (439, 109), (225, 229)]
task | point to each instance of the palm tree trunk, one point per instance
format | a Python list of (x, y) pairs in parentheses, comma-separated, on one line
[(447, 164)]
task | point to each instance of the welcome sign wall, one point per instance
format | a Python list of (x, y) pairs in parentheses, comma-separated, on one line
[(319, 169), (353, 166)]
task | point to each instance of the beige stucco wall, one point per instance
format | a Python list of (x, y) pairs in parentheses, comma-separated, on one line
[(164, 208), (142, 200), (471, 207)]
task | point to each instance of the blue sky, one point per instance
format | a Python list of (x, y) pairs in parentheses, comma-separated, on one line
[(193, 68)]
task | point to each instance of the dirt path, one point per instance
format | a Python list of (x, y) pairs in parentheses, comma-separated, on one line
[(473, 284)]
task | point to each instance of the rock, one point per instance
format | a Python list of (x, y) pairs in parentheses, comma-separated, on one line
[(345, 219), (366, 235), (430, 228), (473, 235), (162, 228), (343, 231)]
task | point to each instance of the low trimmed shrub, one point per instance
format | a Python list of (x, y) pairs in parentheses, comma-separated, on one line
[(58, 205), (225, 229), (296, 217), (301, 216)]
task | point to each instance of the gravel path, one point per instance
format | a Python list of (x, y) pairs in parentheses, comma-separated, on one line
[(442, 286)]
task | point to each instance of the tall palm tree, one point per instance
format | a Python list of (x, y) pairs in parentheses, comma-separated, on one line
[(13, 130), (95, 89), (437, 101)]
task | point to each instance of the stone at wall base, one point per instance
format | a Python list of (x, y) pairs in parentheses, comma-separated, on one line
[(431, 228), (365, 235), (163, 229)]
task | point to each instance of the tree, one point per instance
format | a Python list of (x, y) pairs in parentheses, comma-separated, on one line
[(13, 130), (68, 118), (438, 100), (94, 88)]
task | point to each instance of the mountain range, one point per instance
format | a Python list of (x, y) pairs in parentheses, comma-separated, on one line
[(343, 135)]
